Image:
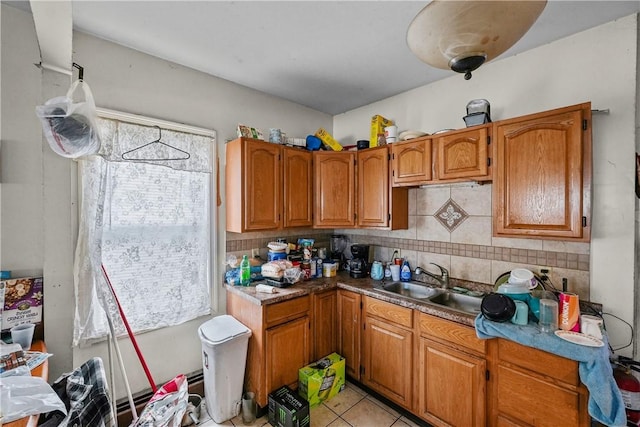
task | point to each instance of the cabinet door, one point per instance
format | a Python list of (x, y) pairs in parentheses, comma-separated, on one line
[(298, 189), (287, 350), (388, 361), (542, 173), (262, 186), (334, 184), (520, 396), (373, 187), (464, 155), (411, 162), (325, 324), (349, 331), (452, 386)]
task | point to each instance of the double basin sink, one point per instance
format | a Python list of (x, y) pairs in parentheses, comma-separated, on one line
[(437, 296)]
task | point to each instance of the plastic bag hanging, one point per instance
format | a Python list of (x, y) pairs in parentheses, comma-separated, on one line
[(70, 126)]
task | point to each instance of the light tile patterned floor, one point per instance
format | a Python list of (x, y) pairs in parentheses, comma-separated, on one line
[(353, 407)]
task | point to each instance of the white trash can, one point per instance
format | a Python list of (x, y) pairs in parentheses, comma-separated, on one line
[(224, 355)]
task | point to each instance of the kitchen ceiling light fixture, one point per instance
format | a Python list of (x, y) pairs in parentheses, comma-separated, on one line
[(463, 35)]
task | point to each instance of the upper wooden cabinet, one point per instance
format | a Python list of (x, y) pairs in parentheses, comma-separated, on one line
[(463, 155), (542, 182), (411, 162), (253, 185), (334, 176), (268, 186), (298, 187), (379, 204)]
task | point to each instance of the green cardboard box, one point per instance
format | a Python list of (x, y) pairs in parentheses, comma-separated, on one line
[(322, 380), (287, 409)]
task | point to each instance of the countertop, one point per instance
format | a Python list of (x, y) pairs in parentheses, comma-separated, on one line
[(364, 286)]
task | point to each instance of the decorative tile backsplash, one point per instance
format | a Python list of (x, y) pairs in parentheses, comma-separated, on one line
[(451, 225), (450, 215)]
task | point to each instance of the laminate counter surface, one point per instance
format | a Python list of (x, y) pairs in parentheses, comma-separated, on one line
[(364, 286)]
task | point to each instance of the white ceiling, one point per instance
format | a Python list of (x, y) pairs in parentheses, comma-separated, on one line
[(332, 56)]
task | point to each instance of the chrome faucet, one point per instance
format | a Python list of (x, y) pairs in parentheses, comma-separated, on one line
[(443, 278)]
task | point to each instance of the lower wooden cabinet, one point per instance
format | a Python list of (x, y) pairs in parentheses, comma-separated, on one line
[(388, 362), (325, 324), (452, 372), (286, 351), (436, 368), (535, 388), (349, 325), (279, 345)]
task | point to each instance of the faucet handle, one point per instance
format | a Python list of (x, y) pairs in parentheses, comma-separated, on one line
[(443, 271)]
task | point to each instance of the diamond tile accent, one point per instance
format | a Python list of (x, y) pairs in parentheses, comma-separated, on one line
[(450, 215)]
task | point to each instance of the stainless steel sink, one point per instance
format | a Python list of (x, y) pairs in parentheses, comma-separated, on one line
[(460, 302), (411, 290)]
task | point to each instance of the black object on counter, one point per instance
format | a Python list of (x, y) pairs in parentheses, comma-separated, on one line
[(498, 307)]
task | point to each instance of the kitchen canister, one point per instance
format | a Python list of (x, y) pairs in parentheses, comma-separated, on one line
[(377, 272)]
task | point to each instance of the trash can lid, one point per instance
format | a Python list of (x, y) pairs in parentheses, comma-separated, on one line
[(222, 328)]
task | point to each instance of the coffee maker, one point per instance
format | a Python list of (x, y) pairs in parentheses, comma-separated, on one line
[(359, 264)]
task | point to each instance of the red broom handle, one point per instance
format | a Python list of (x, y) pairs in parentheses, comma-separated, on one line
[(130, 332)]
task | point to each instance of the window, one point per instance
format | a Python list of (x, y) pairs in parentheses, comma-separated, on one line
[(149, 224)]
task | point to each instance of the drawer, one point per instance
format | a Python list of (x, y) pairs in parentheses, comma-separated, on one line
[(452, 333), (385, 310), (539, 361), (536, 402), (287, 310)]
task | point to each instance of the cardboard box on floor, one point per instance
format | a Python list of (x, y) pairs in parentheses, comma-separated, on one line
[(287, 409), (320, 381)]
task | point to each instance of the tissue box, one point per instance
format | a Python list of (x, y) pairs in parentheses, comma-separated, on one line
[(328, 140), (21, 301), (322, 380), (378, 123), (286, 409)]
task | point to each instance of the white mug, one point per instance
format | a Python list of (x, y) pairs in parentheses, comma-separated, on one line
[(391, 134), (591, 325)]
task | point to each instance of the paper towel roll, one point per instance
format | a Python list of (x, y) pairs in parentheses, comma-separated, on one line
[(266, 289)]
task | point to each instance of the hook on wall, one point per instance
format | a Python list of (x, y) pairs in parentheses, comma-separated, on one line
[(80, 70)]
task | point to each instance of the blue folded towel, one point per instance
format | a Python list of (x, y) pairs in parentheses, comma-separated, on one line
[(605, 401)]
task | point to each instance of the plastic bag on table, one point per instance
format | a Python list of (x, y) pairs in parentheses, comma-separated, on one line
[(71, 126), (22, 396), (167, 406)]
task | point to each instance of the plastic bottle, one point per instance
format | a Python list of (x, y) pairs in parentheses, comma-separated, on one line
[(387, 272), (245, 271), (405, 271)]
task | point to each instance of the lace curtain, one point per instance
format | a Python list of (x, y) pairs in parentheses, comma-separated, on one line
[(149, 224)]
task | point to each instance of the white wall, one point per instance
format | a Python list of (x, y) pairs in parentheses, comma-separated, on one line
[(126, 80), (598, 65)]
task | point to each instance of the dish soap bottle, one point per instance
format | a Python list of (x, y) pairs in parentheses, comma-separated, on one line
[(405, 271), (245, 271), (387, 272)]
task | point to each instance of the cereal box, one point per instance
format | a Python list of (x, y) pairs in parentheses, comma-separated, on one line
[(328, 140), (378, 123), (23, 300)]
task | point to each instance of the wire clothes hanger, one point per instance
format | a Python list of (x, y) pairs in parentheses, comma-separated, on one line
[(180, 154)]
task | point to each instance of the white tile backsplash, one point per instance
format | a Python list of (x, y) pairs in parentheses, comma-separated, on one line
[(475, 230), (473, 269), (430, 199), (428, 228), (475, 199)]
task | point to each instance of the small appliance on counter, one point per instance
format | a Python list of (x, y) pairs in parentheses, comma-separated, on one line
[(359, 264), (338, 244)]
